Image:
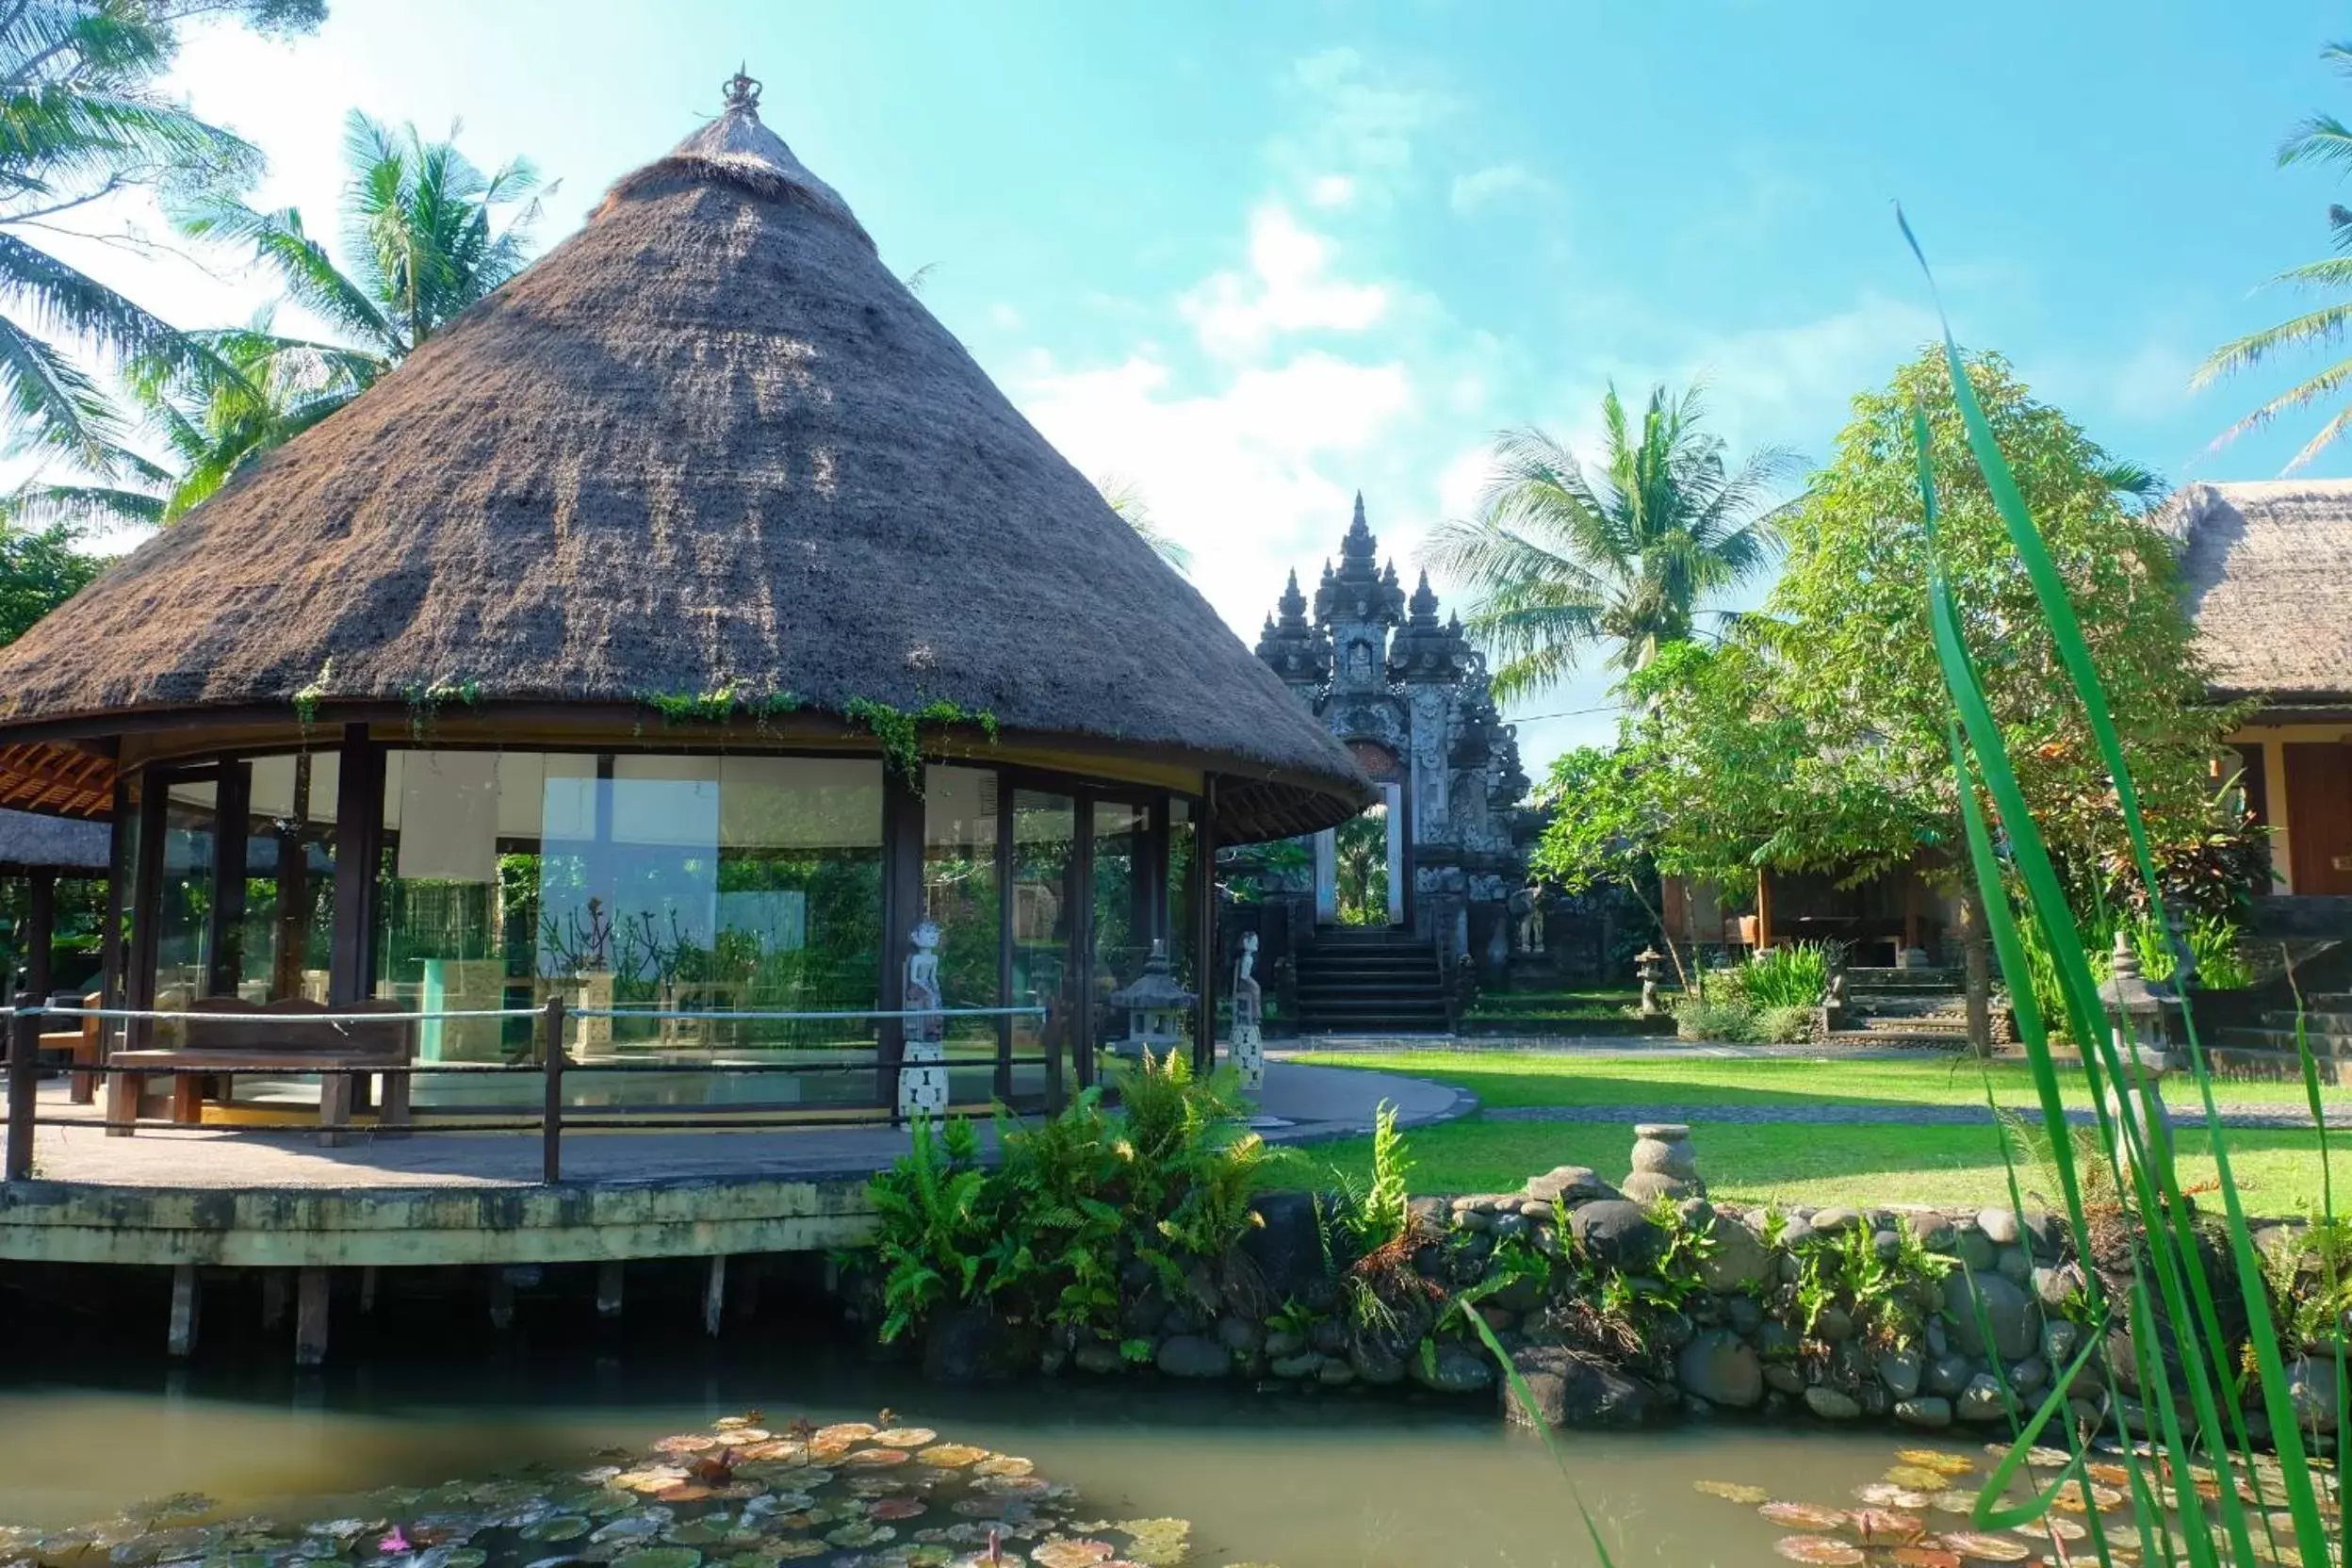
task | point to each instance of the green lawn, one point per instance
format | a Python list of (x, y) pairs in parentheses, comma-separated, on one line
[(2278, 1172), (1531, 1078)]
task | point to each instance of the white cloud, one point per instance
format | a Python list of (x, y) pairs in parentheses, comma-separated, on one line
[(1288, 289), (1331, 191), (1354, 121), (1252, 471), (1496, 184), (1005, 316)]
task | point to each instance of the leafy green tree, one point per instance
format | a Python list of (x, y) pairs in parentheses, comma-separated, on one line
[(1823, 744), (1359, 868), (2327, 141), (428, 234), (38, 571), (81, 120), (1559, 561)]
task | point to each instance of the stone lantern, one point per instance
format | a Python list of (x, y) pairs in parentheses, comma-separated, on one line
[(1645, 965), (1156, 1007), (2139, 1011)]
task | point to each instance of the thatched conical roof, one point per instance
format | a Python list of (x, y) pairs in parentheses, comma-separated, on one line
[(2264, 566), (710, 442)]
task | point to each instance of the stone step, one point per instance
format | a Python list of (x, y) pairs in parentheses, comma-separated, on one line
[(2281, 1041)]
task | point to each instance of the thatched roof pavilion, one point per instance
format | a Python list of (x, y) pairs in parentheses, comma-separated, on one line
[(709, 444), (586, 648)]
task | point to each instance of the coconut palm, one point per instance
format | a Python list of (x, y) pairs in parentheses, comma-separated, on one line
[(2322, 140), (1126, 498), (423, 227), (80, 121), (1559, 561)]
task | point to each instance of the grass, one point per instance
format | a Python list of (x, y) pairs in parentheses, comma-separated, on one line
[(1534, 1078), (2279, 1171), (1606, 1002)]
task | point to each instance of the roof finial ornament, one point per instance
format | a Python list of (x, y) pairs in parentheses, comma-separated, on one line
[(742, 91)]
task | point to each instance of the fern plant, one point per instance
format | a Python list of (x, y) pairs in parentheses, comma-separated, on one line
[(934, 1229)]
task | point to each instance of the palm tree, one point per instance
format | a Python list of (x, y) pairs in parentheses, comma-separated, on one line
[(1126, 498), (79, 122), (423, 225), (1559, 561), (2323, 140)]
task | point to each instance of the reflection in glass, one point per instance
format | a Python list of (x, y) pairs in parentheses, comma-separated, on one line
[(1045, 834), (184, 910), (959, 893), (287, 935), (1184, 929), (1124, 922), (721, 885)]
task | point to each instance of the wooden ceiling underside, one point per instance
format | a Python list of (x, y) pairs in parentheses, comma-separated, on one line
[(59, 780)]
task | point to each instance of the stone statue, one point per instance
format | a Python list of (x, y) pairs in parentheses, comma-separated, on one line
[(1249, 1048), (1527, 919), (923, 1078), (1645, 965)]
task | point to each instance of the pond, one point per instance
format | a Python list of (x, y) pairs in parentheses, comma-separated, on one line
[(1297, 1482)]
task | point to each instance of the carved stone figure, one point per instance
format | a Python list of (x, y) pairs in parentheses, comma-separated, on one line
[(1527, 918), (922, 1084), (1249, 1048)]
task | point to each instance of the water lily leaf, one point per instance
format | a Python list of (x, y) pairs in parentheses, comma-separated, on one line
[(1804, 1516), (905, 1437), (1924, 1557), (1919, 1477), (466, 1556), (563, 1527), (952, 1455), (694, 1532), (876, 1458), (861, 1534), (1003, 1464), (785, 1551), (1880, 1527), (1825, 1549), (844, 1432), (1987, 1548), (659, 1556), (2051, 1524), (1937, 1460), (1887, 1495), (689, 1443), (1732, 1492), (897, 1508), (1062, 1552), (1954, 1502)]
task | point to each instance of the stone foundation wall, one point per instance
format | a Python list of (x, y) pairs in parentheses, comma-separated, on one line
[(1638, 1302)]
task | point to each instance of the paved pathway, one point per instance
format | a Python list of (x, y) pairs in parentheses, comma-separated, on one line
[(1301, 1103), (1895, 1113)]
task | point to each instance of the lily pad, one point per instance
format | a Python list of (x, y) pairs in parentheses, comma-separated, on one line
[(905, 1437), (1825, 1549), (1732, 1492), (563, 1527), (1887, 1495), (844, 1432), (786, 1551), (1061, 1552), (659, 1556), (1919, 1477), (868, 1459), (861, 1534), (952, 1455), (1924, 1557), (1984, 1547), (1954, 1502), (1804, 1516), (1937, 1460), (1880, 1527), (1003, 1464), (891, 1509)]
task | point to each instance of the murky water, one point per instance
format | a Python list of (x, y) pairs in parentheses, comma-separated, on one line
[(1333, 1482)]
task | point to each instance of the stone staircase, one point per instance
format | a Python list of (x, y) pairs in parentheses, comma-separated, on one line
[(1903, 1008), (1370, 980), (2266, 1047)]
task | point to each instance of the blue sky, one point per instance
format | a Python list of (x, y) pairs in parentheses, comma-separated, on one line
[(1252, 257)]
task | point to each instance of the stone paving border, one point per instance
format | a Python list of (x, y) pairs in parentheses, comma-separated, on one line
[(2282, 1117)]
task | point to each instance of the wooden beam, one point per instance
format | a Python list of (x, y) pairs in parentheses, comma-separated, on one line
[(358, 850)]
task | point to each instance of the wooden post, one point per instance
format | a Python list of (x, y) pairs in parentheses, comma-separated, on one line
[(358, 851), (1763, 911), (609, 1275), (551, 1113), (1208, 962), (24, 1084), (715, 1295), (232, 824), (181, 1340), (310, 1317), (41, 930)]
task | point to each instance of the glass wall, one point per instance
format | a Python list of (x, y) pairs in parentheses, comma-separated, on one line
[(727, 886)]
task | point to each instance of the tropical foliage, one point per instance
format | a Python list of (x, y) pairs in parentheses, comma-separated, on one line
[(1559, 561), (2326, 140), (1125, 498), (428, 234), (40, 569), (84, 120)]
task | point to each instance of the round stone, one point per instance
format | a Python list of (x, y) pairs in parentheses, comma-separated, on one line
[(1830, 1405), (1663, 1131)]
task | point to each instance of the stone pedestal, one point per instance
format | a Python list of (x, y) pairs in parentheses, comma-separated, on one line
[(923, 1085), (1664, 1163), (1248, 1055)]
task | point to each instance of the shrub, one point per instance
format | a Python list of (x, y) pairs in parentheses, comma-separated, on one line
[(1794, 974), (1720, 1014), (1786, 1025)]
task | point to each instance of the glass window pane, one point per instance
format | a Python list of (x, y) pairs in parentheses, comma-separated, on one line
[(184, 910), (287, 933), (960, 896), (1045, 832), (1123, 919), (1184, 931)]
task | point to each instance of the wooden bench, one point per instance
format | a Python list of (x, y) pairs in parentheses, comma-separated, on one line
[(84, 1047), (223, 1036)]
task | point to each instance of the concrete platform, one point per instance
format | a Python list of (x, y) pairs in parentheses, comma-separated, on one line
[(245, 1197)]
